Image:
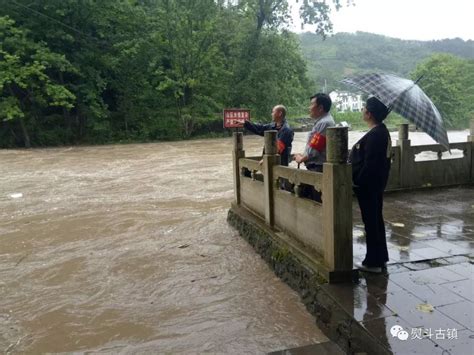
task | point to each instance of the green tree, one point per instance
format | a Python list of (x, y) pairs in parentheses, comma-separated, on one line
[(269, 68), (92, 36), (151, 69), (449, 81), (345, 54), (277, 75), (27, 78), (192, 69)]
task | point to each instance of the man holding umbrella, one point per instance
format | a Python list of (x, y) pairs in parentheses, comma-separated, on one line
[(370, 158)]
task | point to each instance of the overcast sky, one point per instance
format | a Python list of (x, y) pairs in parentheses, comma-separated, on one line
[(406, 19)]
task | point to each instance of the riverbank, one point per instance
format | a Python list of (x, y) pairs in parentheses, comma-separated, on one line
[(213, 128)]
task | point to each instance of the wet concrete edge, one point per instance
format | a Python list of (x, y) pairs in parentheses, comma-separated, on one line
[(339, 326)]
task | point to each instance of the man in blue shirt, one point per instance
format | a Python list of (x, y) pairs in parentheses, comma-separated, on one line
[(285, 133), (314, 155)]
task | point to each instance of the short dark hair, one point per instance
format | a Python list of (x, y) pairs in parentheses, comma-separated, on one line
[(376, 108), (323, 100)]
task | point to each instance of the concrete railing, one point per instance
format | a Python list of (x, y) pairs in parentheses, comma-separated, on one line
[(445, 170), (325, 227)]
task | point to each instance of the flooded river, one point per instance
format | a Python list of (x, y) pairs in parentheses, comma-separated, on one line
[(126, 248)]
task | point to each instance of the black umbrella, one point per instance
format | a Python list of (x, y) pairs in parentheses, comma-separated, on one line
[(405, 97)]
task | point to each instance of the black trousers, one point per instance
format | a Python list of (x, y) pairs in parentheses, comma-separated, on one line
[(371, 206)]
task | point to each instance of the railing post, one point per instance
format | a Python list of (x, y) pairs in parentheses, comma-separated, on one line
[(406, 156), (237, 153), (470, 138), (403, 132), (337, 202), (270, 159)]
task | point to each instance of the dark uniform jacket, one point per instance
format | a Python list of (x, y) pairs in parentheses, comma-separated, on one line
[(284, 137), (370, 158)]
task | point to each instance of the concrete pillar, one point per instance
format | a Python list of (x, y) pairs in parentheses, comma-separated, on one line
[(406, 155), (337, 203), (237, 153), (270, 159), (336, 146), (470, 138), (403, 131)]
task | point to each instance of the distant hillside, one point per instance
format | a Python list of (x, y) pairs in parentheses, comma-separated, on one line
[(345, 54)]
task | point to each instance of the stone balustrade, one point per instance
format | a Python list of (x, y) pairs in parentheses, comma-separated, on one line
[(446, 169), (320, 233), (321, 228)]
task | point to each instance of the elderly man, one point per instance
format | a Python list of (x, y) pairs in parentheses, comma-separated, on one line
[(285, 133)]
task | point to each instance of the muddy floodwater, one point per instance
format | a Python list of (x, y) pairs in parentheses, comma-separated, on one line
[(126, 248)]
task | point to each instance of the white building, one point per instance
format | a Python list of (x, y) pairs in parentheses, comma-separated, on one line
[(346, 101)]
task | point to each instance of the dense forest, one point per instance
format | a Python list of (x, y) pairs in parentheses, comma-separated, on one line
[(89, 71), (92, 72)]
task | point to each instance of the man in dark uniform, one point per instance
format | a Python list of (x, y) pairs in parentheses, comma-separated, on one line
[(370, 158), (285, 133)]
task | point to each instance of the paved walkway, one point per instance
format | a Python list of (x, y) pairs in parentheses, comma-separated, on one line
[(424, 303)]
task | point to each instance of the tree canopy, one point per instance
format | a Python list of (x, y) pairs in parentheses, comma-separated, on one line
[(449, 81), (446, 66), (89, 71), (99, 71), (350, 53)]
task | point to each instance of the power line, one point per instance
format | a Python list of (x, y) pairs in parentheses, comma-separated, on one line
[(59, 22)]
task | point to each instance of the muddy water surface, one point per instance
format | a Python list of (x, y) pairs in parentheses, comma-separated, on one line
[(126, 248)]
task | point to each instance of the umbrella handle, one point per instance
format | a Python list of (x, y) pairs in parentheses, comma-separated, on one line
[(421, 77)]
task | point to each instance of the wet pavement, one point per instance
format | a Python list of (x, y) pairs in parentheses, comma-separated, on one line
[(423, 303), (428, 289), (423, 225)]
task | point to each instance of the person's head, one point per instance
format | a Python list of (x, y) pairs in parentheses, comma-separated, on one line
[(279, 113), (320, 105), (374, 111)]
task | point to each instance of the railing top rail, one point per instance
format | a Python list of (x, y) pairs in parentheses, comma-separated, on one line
[(438, 147), (250, 164), (254, 157), (297, 176)]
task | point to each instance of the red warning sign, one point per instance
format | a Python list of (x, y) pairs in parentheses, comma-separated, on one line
[(235, 118)]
